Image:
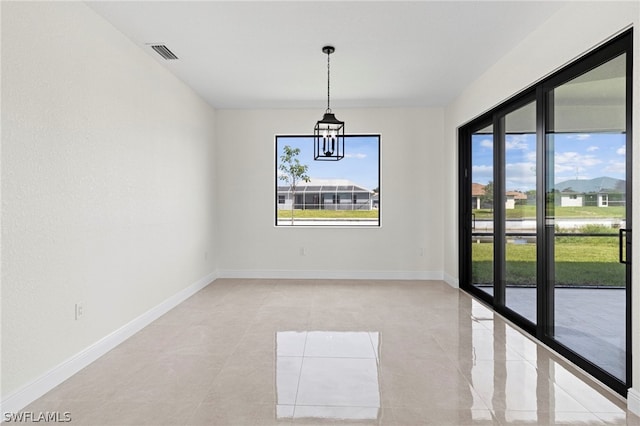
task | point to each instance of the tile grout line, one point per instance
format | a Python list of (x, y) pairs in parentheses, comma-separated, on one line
[(226, 361), (295, 402)]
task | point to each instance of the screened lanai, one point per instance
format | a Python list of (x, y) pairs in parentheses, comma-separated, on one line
[(329, 194)]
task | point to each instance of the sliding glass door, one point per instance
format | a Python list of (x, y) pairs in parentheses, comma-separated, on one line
[(586, 186), (520, 242), (481, 198), (545, 209)]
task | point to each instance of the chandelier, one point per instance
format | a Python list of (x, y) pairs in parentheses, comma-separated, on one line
[(328, 134)]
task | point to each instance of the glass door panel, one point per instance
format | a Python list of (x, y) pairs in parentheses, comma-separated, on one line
[(586, 207), (482, 235), (545, 210), (520, 265)]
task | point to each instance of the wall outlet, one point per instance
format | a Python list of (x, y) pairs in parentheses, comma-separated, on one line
[(79, 310), (303, 251)]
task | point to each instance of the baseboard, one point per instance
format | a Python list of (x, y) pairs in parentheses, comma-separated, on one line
[(331, 274), (633, 401), (52, 378), (453, 282)]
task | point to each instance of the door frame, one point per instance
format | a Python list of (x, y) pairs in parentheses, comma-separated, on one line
[(540, 92)]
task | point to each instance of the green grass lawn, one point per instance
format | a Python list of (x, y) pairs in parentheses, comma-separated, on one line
[(579, 261), (529, 212), (328, 214)]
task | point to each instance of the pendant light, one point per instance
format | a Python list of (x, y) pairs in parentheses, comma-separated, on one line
[(328, 134)]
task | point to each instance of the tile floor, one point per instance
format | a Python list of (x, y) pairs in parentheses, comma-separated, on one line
[(589, 321), (269, 352), (592, 323)]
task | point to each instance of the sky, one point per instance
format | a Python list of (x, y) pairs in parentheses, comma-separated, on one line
[(359, 165), (576, 156)]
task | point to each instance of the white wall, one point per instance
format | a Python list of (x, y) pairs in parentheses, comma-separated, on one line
[(107, 185), (567, 201), (411, 149), (575, 29)]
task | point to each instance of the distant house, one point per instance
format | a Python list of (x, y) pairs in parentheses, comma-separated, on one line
[(326, 194), (478, 192), (512, 198), (601, 192), (571, 199)]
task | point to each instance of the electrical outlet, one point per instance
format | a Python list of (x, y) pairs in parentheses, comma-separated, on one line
[(303, 251), (79, 310)]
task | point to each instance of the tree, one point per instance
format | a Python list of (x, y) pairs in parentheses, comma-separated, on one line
[(487, 198), (292, 172)]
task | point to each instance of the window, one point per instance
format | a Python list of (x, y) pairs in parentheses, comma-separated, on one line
[(328, 193)]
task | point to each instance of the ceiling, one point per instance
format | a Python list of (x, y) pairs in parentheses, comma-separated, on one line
[(268, 54)]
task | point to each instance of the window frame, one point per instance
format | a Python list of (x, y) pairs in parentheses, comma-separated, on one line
[(338, 195)]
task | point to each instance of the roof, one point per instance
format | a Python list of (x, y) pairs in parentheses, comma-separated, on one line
[(325, 185), (595, 185), (477, 189), (517, 195)]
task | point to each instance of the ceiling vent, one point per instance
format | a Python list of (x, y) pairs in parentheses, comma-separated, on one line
[(164, 51)]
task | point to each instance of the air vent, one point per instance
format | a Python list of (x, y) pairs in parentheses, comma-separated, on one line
[(164, 51)]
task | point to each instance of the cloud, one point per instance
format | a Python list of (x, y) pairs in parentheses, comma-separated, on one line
[(520, 176), (509, 145), (580, 137), (615, 167), (357, 155), (516, 142), (569, 161), (592, 148), (622, 150), (482, 173)]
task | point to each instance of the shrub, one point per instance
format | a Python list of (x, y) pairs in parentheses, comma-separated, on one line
[(593, 228)]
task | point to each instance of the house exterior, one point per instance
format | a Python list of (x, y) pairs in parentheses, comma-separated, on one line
[(478, 192), (512, 197), (571, 199), (326, 194), (600, 199), (601, 192)]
